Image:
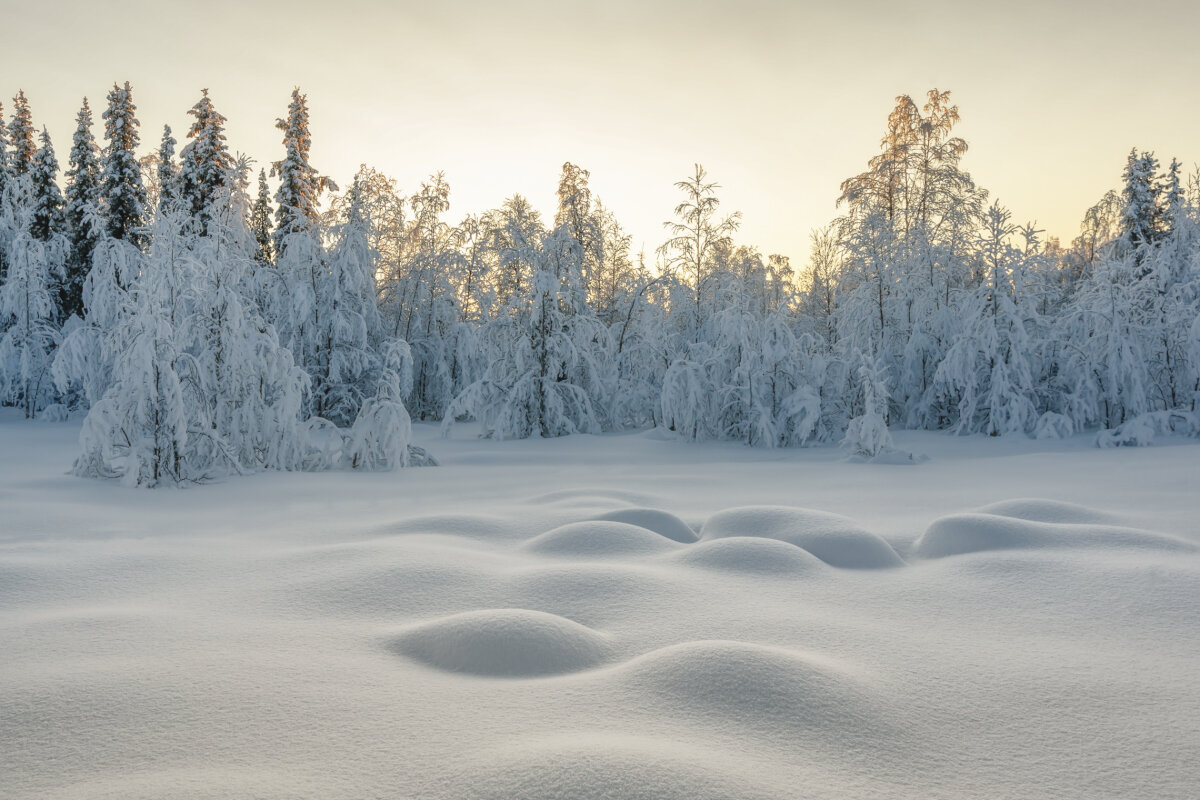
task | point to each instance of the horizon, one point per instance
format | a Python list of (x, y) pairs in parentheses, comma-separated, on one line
[(500, 116)]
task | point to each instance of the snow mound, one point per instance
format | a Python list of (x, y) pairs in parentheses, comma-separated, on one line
[(836, 540), (503, 642), (752, 555), (972, 533), (1038, 510), (755, 685), (661, 522), (626, 767), (599, 539)]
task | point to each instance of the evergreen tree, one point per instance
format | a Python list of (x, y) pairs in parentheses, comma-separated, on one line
[(260, 222), (46, 212), (299, 184), (5, 157), (21, 136), (84, 225), (1142, 222), (168, 173), (124, 196), (7, 227), (206, 165)]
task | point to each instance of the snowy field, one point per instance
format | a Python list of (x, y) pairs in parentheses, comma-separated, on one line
[(479, 630)]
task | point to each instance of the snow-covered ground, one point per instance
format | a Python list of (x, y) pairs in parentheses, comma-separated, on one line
[(479, 630)]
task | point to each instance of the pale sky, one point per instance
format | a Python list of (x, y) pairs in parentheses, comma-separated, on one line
[(779, 100)]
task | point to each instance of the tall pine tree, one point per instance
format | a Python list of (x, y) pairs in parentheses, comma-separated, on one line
[(124, 196), (84, 226), (204, 171), (168, 175), (21, 136), (46, 214), (260, 221), (299, 184)]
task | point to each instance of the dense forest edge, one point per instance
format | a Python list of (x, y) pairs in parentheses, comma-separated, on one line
[(208, 326)]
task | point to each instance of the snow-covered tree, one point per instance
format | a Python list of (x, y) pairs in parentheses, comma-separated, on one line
[(168, 173), (122, 192), (46, 201), (547, 366), (260, 222), (22, 137), (1142, 220), (300, 186), (347, 332), (990, 370), (27, 302), (85, 226), (28, 296), (1102, 372), (382, 433), (5, 156), (205, 164), (200, 385), (867, 436), (696, 234)]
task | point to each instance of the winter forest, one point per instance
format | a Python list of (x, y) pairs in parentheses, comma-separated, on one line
[(211, 316)]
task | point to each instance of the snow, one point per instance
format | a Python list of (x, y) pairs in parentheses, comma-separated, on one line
[(834, 539), (537, 619)]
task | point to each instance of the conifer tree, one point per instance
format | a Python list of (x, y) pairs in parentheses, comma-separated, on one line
[(46, 213), (206, 164), (260, 221), (21, 136), (124, 196), (5, 156), (6, 226), (84, 226), (299, 184), (168, 174), (1142, 222)]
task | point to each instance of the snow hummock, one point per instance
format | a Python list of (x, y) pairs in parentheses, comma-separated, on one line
[(971, 533), (599, 539), (836, 540), (508, 642), (661, 522)]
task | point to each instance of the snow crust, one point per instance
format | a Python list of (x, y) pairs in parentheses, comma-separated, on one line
[(532, 620)]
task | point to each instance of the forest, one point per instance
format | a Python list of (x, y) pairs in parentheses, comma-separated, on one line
[(208, 325)]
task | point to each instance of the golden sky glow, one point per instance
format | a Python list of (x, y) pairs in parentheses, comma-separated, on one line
[(780, 101)]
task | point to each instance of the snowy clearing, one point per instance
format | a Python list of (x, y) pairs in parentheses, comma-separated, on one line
[(607, 616)]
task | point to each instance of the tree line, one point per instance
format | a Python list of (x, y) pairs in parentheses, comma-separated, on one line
[(208, 326)]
